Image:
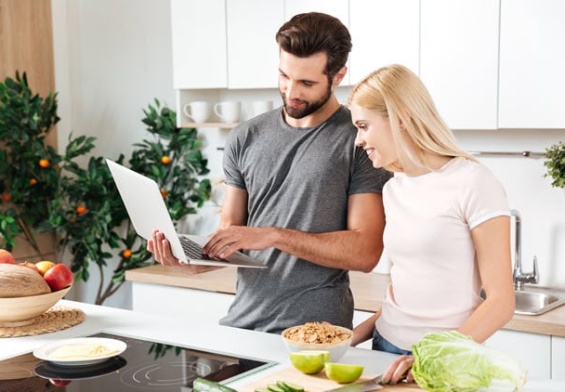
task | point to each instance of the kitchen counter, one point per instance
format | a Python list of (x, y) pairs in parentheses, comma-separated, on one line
[(198, 336), (208, 337), (367, 288)]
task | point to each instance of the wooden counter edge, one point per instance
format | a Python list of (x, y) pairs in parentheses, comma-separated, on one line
[(221, 280), (368, 290)]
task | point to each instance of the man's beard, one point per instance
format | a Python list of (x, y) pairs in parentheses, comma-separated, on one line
[(308, 107)]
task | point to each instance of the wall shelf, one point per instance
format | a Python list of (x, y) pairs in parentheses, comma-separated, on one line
[(221, 125)]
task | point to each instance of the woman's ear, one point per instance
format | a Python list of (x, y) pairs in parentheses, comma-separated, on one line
[(401, 122)]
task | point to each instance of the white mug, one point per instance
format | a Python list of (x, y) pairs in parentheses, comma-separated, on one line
[(228, 111), (259, 107), (198, 111)]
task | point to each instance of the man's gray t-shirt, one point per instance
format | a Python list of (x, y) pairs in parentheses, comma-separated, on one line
[(296, 178)]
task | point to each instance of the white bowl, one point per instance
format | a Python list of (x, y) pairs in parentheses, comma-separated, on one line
[(336, 349), (21, 311)]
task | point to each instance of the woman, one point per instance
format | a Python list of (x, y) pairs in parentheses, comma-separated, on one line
[(447, 222)]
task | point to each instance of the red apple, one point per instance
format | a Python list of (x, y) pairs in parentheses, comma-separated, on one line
[(58, 277), (6, 257), (59, 383)]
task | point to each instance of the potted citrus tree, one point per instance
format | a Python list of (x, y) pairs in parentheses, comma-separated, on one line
[(44, 191)]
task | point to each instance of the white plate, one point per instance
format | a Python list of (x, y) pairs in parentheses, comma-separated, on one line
[(45, 352)]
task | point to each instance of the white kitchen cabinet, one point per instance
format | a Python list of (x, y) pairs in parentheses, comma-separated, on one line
[(199, 44), (557, 358), (337, 8), (184, 303), (459, 60), (358, 317), (532, 350), (532, 64), (383, 32), (253, 54)]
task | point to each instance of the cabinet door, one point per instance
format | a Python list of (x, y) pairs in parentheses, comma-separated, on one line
[(532, 64), (358, 317), (557, 358), (188, 304), (337, 8), (532, 350), (459, 60), (253, 54), (199, 44), (383, 32)]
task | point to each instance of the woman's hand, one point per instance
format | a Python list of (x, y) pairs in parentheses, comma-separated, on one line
[(400, 369)]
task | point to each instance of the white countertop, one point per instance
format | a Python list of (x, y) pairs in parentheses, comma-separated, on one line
[(200, 336)]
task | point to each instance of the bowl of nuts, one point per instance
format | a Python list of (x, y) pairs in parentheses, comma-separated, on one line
[(318, 337)]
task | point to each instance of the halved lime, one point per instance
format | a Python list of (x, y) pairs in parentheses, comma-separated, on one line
[(309, 362), (343, 373)]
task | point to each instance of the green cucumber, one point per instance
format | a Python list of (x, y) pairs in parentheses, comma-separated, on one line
[(283, 386), (275, 388), (262, 389), (290, 387), (203, 385)]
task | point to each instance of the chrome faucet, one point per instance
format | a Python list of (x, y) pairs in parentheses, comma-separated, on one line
[(518, 275)]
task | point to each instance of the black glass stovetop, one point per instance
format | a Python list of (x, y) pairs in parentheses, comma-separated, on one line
[(144, 366)]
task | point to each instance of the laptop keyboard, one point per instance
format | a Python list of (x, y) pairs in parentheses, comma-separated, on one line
[(193, 250)]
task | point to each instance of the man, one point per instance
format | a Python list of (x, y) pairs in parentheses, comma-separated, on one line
[(298, 194)]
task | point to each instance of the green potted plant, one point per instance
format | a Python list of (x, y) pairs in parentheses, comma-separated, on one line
[(29, 167), (44, 191), (91, 219), (555, 164)]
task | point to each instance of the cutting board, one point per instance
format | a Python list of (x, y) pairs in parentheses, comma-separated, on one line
[(314, 383)]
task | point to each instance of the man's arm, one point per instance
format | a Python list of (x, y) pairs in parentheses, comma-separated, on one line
[(357, 248)]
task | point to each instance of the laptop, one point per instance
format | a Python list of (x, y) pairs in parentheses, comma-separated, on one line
[(147, 211)]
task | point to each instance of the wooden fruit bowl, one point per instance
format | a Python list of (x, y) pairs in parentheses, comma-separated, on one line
[(20, 311)]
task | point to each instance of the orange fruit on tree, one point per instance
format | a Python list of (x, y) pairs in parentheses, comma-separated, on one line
[(81, 210), (32, 181), (6, 196), (126, 253), (165, 159), (164, 193), (44, 163)]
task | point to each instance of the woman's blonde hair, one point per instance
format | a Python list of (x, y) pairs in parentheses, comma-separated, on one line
[(398, 94)]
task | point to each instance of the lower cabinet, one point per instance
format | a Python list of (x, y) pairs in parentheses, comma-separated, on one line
[(358, 317), (532, 350), (194, 305), (557, 358)]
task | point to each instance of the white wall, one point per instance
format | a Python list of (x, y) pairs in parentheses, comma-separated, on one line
[(114, 56)]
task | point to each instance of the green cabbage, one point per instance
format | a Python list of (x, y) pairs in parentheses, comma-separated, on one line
[(450, 361)]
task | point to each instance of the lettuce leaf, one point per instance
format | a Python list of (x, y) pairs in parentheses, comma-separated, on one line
[(449, 361)]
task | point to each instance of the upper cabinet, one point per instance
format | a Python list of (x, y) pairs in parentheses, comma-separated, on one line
[(532, 64), (383, 32), (253, 55), (488, 64), (459, 60), (199, 44)]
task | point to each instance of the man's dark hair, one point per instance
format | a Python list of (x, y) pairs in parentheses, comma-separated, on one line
[(314, 32)]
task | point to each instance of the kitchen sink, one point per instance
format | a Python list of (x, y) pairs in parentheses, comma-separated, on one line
[(534, 303)]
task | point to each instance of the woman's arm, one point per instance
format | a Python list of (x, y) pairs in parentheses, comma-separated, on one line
[(492, 247), (364, 331)]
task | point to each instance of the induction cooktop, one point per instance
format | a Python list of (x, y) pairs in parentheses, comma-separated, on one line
[(144, 366)]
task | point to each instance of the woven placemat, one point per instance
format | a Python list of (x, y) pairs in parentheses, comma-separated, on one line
[(55, 319)]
